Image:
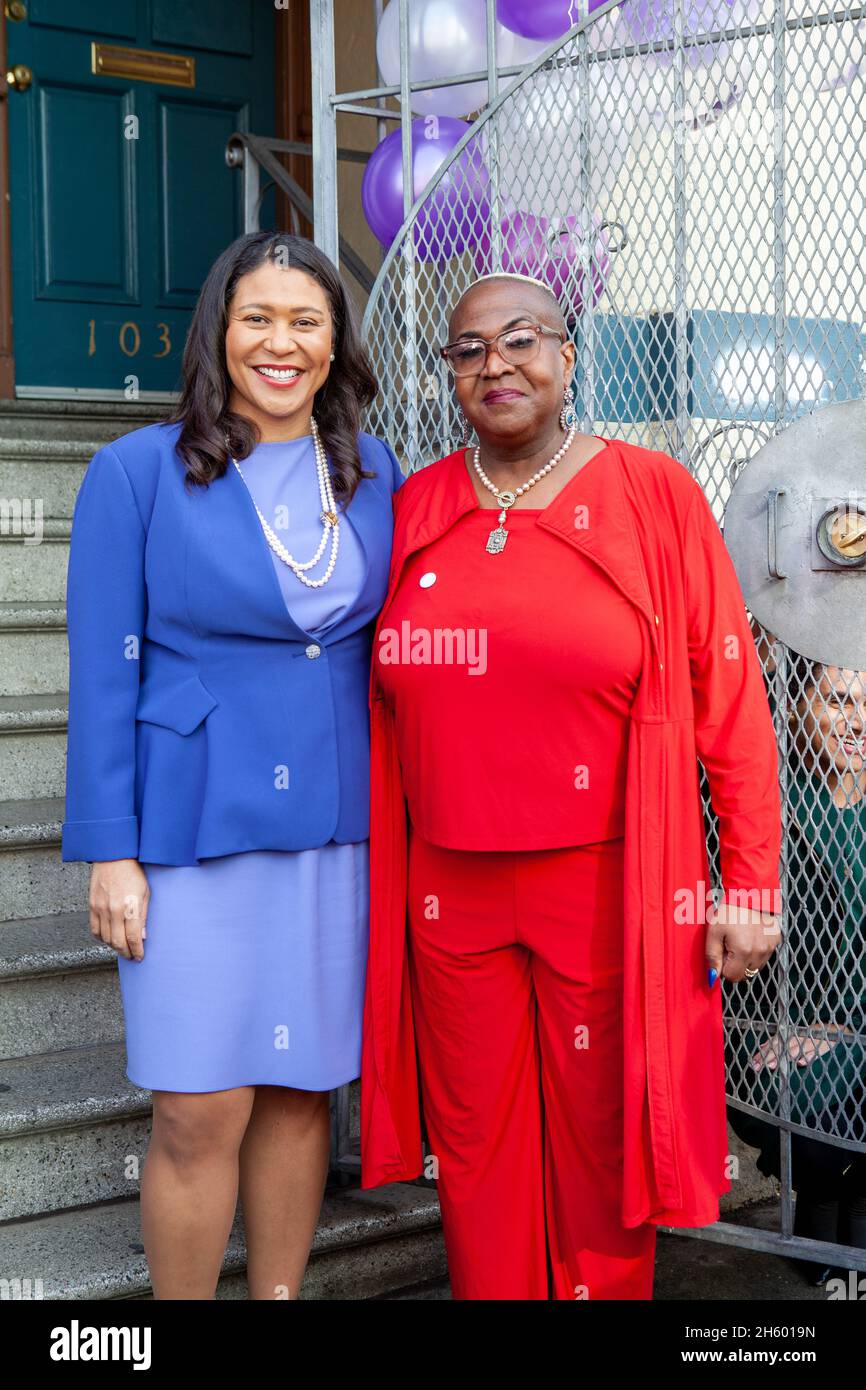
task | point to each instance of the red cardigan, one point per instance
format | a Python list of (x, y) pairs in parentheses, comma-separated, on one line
[(701, 694)]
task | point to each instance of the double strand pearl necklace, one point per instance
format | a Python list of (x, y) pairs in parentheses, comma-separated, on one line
[(329, 516), (498, 536)]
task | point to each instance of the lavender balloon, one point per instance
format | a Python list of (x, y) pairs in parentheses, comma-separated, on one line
[(446, 223), (447, 38), (554, 250), (651, 21), (542, 19)]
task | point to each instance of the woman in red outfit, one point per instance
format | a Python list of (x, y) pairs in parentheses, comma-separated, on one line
[(563, 638)]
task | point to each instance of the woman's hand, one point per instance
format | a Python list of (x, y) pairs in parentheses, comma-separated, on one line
[(802, 1049), (740, 939), (119, 894)]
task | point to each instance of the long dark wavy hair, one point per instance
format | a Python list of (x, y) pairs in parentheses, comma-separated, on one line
[(203, 407)]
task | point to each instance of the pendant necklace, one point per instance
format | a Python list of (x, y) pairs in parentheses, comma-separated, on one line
[(498, 536)]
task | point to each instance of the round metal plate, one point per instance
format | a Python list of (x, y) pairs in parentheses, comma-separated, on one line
[(790, 584)]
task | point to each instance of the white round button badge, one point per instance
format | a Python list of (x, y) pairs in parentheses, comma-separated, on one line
[(427, 579)]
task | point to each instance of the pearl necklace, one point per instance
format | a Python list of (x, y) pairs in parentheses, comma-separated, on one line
[(329, 517), (498, 536)]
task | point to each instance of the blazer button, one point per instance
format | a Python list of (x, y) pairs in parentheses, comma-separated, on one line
[(313, 650)]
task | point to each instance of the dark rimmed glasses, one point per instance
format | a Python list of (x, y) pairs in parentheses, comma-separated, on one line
[(468, 356)]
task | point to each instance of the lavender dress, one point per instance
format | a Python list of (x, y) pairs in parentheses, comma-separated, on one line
[(253, 970)]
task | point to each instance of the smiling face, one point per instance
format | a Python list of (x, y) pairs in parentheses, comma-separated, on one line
[(278, 345), (506, 403), (834, 722)]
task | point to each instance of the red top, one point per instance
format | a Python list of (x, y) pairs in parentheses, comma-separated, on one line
[(509, 671)]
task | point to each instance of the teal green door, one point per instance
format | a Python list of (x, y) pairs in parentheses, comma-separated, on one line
[(120, 194)]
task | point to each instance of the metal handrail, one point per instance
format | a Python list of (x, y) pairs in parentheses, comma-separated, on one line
[(254, 153)]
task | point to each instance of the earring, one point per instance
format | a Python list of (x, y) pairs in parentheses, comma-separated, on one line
[(332, 357), (464, 425), (568, 414)]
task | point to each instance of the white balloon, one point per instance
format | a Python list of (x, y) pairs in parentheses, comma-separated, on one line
[(540, 141), (447, 38), (646, 87)]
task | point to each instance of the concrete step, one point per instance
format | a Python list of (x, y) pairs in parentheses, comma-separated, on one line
[(49, 419), (33, 745), (42, 476), (73, 1130), (43, 456), (34, 655), (366, 1244), (35, 882), (438, 1290), (59, 986), (34, 558)]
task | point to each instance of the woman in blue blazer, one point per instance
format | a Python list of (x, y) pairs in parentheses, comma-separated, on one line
[(225, 572)]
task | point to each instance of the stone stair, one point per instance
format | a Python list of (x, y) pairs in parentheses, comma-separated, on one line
[(69, 1118)]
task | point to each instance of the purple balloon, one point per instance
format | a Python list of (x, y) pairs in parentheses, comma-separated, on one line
[(447, 223), (550, 249), (542, 19)]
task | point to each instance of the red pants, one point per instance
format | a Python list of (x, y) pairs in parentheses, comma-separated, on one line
[(516, 969)]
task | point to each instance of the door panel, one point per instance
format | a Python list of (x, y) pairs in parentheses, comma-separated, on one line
[(185, 189), (117, 19), (121, 198), (99, 261), (228, 27)]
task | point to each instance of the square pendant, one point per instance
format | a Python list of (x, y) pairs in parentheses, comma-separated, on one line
[(496, 540)]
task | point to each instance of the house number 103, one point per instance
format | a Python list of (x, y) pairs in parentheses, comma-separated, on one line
[(129, 339)]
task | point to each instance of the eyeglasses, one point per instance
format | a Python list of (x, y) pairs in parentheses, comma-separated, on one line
[(517, 346)]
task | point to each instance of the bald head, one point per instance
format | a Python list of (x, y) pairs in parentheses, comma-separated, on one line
[(509, 292)]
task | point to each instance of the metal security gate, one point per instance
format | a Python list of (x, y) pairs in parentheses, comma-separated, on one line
[(689, 179)]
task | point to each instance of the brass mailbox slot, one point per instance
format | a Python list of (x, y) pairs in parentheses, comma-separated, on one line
[(142, 64)]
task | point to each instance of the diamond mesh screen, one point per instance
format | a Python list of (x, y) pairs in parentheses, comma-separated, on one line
[(698, 206)]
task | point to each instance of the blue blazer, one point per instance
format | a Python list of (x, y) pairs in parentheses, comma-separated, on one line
[(202, 719)]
